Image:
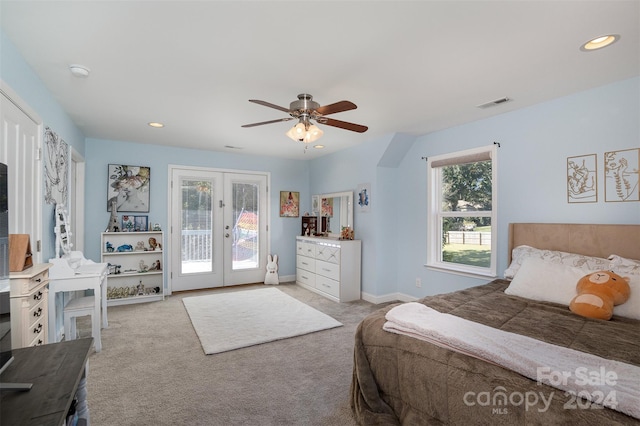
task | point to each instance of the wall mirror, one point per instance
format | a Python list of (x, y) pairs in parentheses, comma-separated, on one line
[(334, 211)]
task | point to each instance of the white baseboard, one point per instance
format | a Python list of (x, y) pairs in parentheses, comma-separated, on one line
[(391, 297)]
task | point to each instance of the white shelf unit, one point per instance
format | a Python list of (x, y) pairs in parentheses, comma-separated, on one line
[(130, 285)]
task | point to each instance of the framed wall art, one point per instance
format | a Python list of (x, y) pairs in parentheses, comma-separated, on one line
[(621, 175), (129, 187), (582, 179), (364, 194), (289, 204), (57, 166)]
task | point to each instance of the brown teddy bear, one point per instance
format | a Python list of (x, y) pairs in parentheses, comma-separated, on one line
[(598, 293)]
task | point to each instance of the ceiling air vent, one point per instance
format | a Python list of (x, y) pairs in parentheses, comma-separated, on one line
[(494, 103)]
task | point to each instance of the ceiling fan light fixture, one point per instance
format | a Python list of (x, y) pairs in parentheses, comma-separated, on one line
[(303, 132)]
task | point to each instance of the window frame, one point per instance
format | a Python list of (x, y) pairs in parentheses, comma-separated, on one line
[(435, 214)]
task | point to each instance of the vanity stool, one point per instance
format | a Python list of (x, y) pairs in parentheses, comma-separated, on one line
[(80, 307)]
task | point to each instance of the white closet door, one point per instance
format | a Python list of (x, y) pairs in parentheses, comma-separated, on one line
[(20, 148)]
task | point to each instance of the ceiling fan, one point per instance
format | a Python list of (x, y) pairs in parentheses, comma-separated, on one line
[(306, 109)]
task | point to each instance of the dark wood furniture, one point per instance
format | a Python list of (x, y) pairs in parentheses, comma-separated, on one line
[(55, 370)]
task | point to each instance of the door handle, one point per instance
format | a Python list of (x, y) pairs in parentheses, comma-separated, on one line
[(226, 235)]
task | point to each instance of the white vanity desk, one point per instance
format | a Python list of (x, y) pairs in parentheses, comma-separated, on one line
[(88, 276)]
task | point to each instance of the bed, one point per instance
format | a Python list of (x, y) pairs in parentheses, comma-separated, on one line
[(398, 379)]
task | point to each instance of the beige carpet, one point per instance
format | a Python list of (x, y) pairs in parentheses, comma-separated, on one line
[(152, 370), (228, 321)]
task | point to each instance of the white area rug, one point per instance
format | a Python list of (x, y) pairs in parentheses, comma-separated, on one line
[(238, 319)]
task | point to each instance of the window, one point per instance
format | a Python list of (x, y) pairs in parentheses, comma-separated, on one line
[(461, 211)]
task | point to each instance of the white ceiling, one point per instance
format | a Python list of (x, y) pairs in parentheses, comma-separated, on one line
[(413, 67)]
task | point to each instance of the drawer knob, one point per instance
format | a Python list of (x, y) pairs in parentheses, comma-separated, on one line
[(38, 329), (37, 296), (38, 312)]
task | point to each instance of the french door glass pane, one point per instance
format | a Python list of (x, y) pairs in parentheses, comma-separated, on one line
[(467, 241), (244, 250), (197, 226)]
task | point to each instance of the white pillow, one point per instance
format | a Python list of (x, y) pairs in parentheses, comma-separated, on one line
[(546, 281), (586, 263), (624, 266), (630, 308)]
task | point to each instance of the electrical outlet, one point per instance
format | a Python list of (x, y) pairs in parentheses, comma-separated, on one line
[(418, 283)]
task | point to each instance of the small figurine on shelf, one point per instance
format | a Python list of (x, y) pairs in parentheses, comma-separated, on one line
[(156, 227), (113, 225), (152, 244), (143, 267), (156, 266), (140, 289), (109, 247), (114, 269), (125, 247), (140, 246)]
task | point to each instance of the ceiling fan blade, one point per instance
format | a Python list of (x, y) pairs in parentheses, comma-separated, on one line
[(267, 122), (270, 105), (343, 125), (336, 107)]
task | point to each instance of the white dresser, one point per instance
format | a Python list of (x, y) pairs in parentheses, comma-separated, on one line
[(329, 267), (29, 295)]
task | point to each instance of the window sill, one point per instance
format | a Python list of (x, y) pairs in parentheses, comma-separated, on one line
[(470, 274)]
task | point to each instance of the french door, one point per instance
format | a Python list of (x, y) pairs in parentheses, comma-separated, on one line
[(218, 228)]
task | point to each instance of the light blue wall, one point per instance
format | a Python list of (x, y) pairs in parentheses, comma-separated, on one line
[(532, 167), (19, 76), (289, 175), (535, 143)]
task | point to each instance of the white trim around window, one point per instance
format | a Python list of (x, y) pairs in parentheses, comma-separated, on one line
[(436, 213)]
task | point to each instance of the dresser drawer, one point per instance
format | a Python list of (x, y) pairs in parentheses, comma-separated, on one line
[(306, 249), (328, 285), (37, 311), (24, 285), (306, 263), (38, 339), (306, 277), (36, 298), (36, 330), (328, 253), (329, 270)]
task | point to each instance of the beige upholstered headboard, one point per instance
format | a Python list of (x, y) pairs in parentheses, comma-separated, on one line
[(589, 240)]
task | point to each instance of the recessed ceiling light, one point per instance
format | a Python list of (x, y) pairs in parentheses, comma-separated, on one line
[(156, 125), (79, 70), (318, 146), (600, 42)]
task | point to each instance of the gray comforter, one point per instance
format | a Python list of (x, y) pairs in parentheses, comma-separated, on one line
[(402, 380)]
